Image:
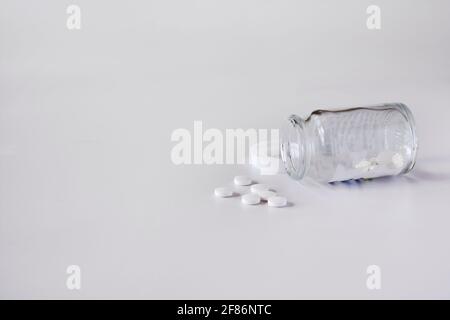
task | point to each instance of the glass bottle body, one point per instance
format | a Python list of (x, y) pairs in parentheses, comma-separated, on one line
[(353, 143)]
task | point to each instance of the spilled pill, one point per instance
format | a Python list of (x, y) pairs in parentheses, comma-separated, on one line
[(223, 192), (259, 187), (250, 199), (242, 181), (277, 201), (266, 194)]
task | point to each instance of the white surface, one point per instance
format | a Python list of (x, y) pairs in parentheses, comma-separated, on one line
[(242, 180), (85, 124)]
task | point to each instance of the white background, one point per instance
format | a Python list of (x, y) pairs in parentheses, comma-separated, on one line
[(85, 172)]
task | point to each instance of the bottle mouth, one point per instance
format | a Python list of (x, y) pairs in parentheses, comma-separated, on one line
[(407, 114), (293, 147)]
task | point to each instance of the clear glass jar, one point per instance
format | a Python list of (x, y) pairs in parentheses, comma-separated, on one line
[(353, 143)]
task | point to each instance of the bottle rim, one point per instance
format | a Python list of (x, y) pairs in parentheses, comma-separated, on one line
[(294, 147), (407, 114)]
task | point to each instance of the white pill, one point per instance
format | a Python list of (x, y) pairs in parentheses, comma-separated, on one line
[(250, 198), (363, 165), (242, 181), (385, 157), (277, 201), (397, 160), (223, 192), (257, 188), (265, 195)]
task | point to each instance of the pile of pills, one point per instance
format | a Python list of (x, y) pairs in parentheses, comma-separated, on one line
[(387, 159), (258, 192)]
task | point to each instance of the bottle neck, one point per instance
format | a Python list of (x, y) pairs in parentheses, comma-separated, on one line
[(295, 147)]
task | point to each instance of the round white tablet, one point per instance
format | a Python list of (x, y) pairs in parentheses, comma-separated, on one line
[(223, 192), (257, 188), (250, 198), (397, 160), (266, 194), (277, 201), (242, 181)]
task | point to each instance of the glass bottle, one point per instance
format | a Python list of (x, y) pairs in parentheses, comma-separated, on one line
[(353, 143)]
